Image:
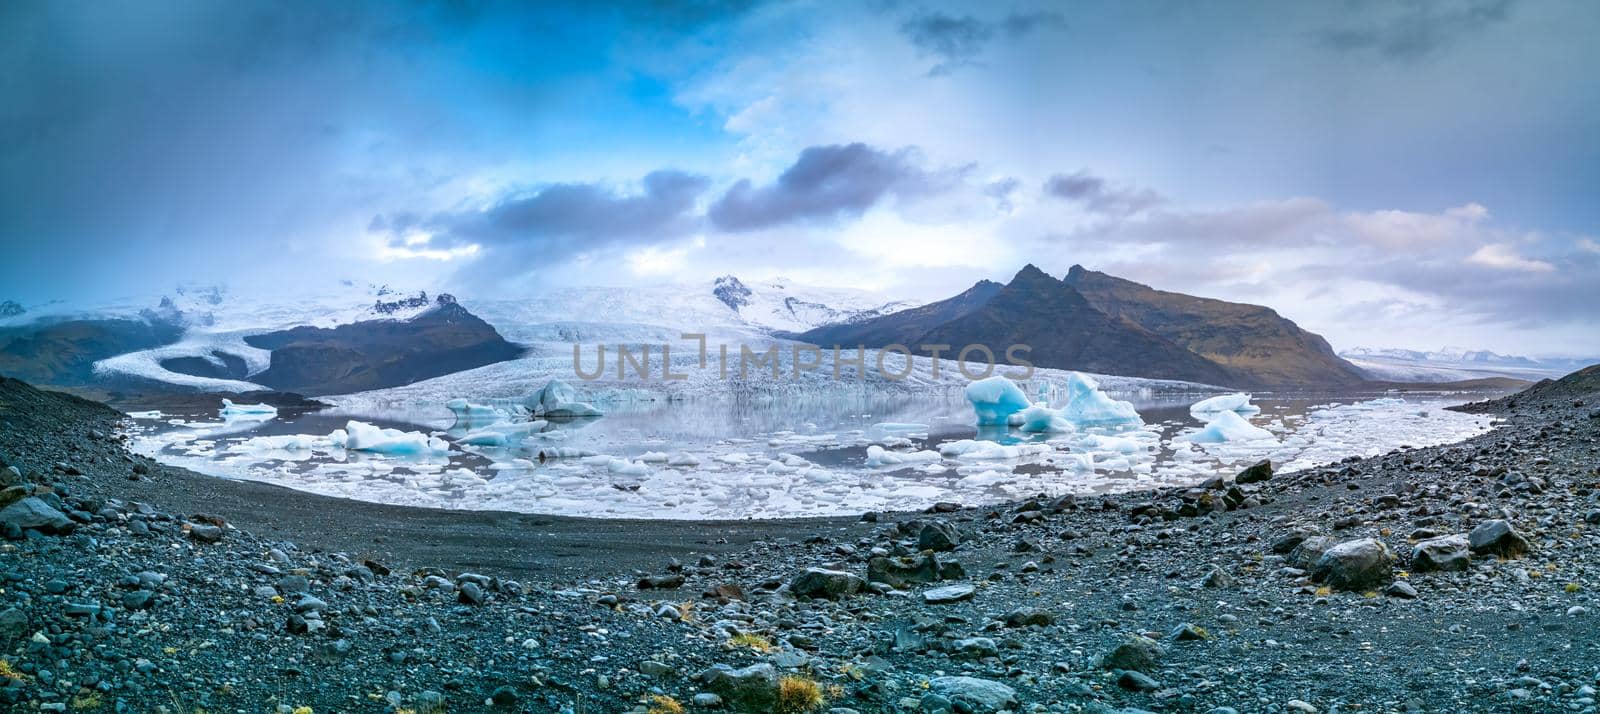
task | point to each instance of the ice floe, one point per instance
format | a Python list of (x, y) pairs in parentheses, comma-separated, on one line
[(1236, 402), (1226, 426), (231, 409)]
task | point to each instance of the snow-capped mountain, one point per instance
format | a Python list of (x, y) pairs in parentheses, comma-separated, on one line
[(1456, 363)]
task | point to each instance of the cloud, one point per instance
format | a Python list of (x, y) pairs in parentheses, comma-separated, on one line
[(1096, 195), (959, 41), (827, 183), (1505, 257), (1420, 28), (553, 223)]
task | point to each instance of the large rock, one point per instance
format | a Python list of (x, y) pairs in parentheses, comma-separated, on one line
[(1449, 552), (1310, 550), (981, 695), (1258, 472), (1137, 653), (751, 689), (938, 536), (898, 572), (33, 512), (1498, 538), (1355, 565), (824, 583)]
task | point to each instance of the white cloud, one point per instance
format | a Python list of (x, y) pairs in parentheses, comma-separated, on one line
[(1505, 257)]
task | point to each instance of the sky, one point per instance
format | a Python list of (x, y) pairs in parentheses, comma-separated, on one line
[(1399, 174)]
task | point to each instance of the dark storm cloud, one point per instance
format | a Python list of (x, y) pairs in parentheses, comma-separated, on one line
[(959, 41), (562, 220), (1096, 194), (1417, 28), (827, 183)]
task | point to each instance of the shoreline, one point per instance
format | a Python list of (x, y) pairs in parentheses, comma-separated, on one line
[(1179, 599)]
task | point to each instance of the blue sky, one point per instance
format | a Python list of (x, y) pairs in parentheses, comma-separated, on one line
[(1392, 173)]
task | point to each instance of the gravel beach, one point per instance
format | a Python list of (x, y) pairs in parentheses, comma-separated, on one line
[(1451, 578)]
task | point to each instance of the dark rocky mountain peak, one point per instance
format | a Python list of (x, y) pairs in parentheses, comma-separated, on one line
[(731, 292)]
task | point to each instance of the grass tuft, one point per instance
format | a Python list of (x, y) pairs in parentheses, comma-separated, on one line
[(798, 695)]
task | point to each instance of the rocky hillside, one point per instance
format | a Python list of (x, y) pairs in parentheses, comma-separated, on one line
[(1251, 340), (375, 354), (1060, 326), (63, 352)]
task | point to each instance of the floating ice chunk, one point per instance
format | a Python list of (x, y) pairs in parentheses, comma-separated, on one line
[(152, 414), (231, 409), (468, 413), (989, 450), (628, 468), (653, 457), (1119, 444), (1226, 427), (361, 436), (559, 400), (1042, 419), (995, 399), (1087, 405), (682, 458), (503, 434), (894, 427), (1236, 402), (879, 456)]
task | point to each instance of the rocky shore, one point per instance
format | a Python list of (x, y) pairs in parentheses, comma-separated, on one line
[(1453, 578)]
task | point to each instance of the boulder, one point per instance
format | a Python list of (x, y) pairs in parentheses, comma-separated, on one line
[(33, 512), (938, 536), (1498, 537), (897, 572), (826, 584), (980, 695), (1355, 565), (751, 689), (1310, 550), (1137, 653), (1449, 552), (1258, 472)]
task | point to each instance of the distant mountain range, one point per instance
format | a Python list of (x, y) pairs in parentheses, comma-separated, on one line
[(1454, 363), (1100, 323), (358, 338)]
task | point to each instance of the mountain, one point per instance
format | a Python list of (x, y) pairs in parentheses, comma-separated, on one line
[(1057, 322), (906, 327), (779, 305), (62, 352), (1449, 363), (375, 354), (1251, 340)]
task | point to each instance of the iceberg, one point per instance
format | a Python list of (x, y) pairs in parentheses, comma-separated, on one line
[(1236, 402), (559, 400), (1088, 406), (879, 456), (361, 436), (684, 459), (231, 409), (1043, 420), (562, 452), (502, 434), (995, 399), (1226, 427)]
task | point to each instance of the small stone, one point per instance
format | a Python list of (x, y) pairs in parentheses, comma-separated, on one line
[(949, 594)]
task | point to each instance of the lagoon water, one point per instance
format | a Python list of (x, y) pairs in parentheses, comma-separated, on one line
[(737, 459)]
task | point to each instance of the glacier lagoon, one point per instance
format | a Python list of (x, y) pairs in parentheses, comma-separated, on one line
[(775, 458)]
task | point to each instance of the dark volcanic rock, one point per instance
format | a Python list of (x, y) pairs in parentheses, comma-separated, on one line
[(1498, 538), (823, 583)]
